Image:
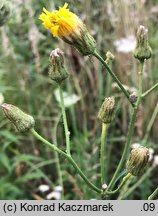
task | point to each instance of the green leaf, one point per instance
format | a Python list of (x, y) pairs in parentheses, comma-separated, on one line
[(29, 176), (5, 161), (9, 136)]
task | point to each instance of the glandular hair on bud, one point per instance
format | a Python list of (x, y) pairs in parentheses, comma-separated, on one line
[(106, 112), (138, 160), (143, 50), (57, 71), (5, 11), (22, 121)]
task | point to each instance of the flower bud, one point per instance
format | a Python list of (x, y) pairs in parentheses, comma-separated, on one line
[(133, 97), (5, 11), (138, 161), (143, 50), (106, 112), (57, 71), (104, 186), (21, 120), (109, 57)]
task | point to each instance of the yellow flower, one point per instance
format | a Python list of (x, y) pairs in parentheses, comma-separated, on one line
[(61, 22), (66, 25)]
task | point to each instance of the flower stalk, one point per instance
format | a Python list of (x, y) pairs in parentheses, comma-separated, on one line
[(154, 194), (56, 155), (137, 184), (131, 128), (150, 124), (124, 180), (67, 26), (102, 153), (105, 115), (150, 90), (98, 56), (68, 157), (66, 129)]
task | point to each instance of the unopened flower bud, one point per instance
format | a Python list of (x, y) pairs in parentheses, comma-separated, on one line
[(138, 161), (143, 50), (106, 112), (104, 186), (22, 121), (109, 57), (5, 11), (57, 71), (133, 97)]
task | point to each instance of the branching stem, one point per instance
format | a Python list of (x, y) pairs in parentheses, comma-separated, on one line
[(124, 180), (130, 130), (98, 56), (149, 90), (68, 157)]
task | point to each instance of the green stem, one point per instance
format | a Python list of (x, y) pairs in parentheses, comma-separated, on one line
[(130, 130), (124, 180), (150, 124), (102, 153), (59, 173), (150, 90), (68, 157), (67, 132), (58, 167), (139, 182), (97, 55), (154, 194)]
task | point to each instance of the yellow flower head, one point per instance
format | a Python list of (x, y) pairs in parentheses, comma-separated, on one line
[(60, 22), (67, 26)]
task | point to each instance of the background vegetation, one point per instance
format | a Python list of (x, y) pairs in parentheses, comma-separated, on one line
[(24, 52)]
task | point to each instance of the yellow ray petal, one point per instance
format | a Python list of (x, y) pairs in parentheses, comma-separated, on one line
[(55, 30)]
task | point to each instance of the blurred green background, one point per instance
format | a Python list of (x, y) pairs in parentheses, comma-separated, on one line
[(25, 164)]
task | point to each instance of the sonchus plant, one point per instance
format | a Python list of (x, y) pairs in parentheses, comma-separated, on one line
[(67, 26)]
